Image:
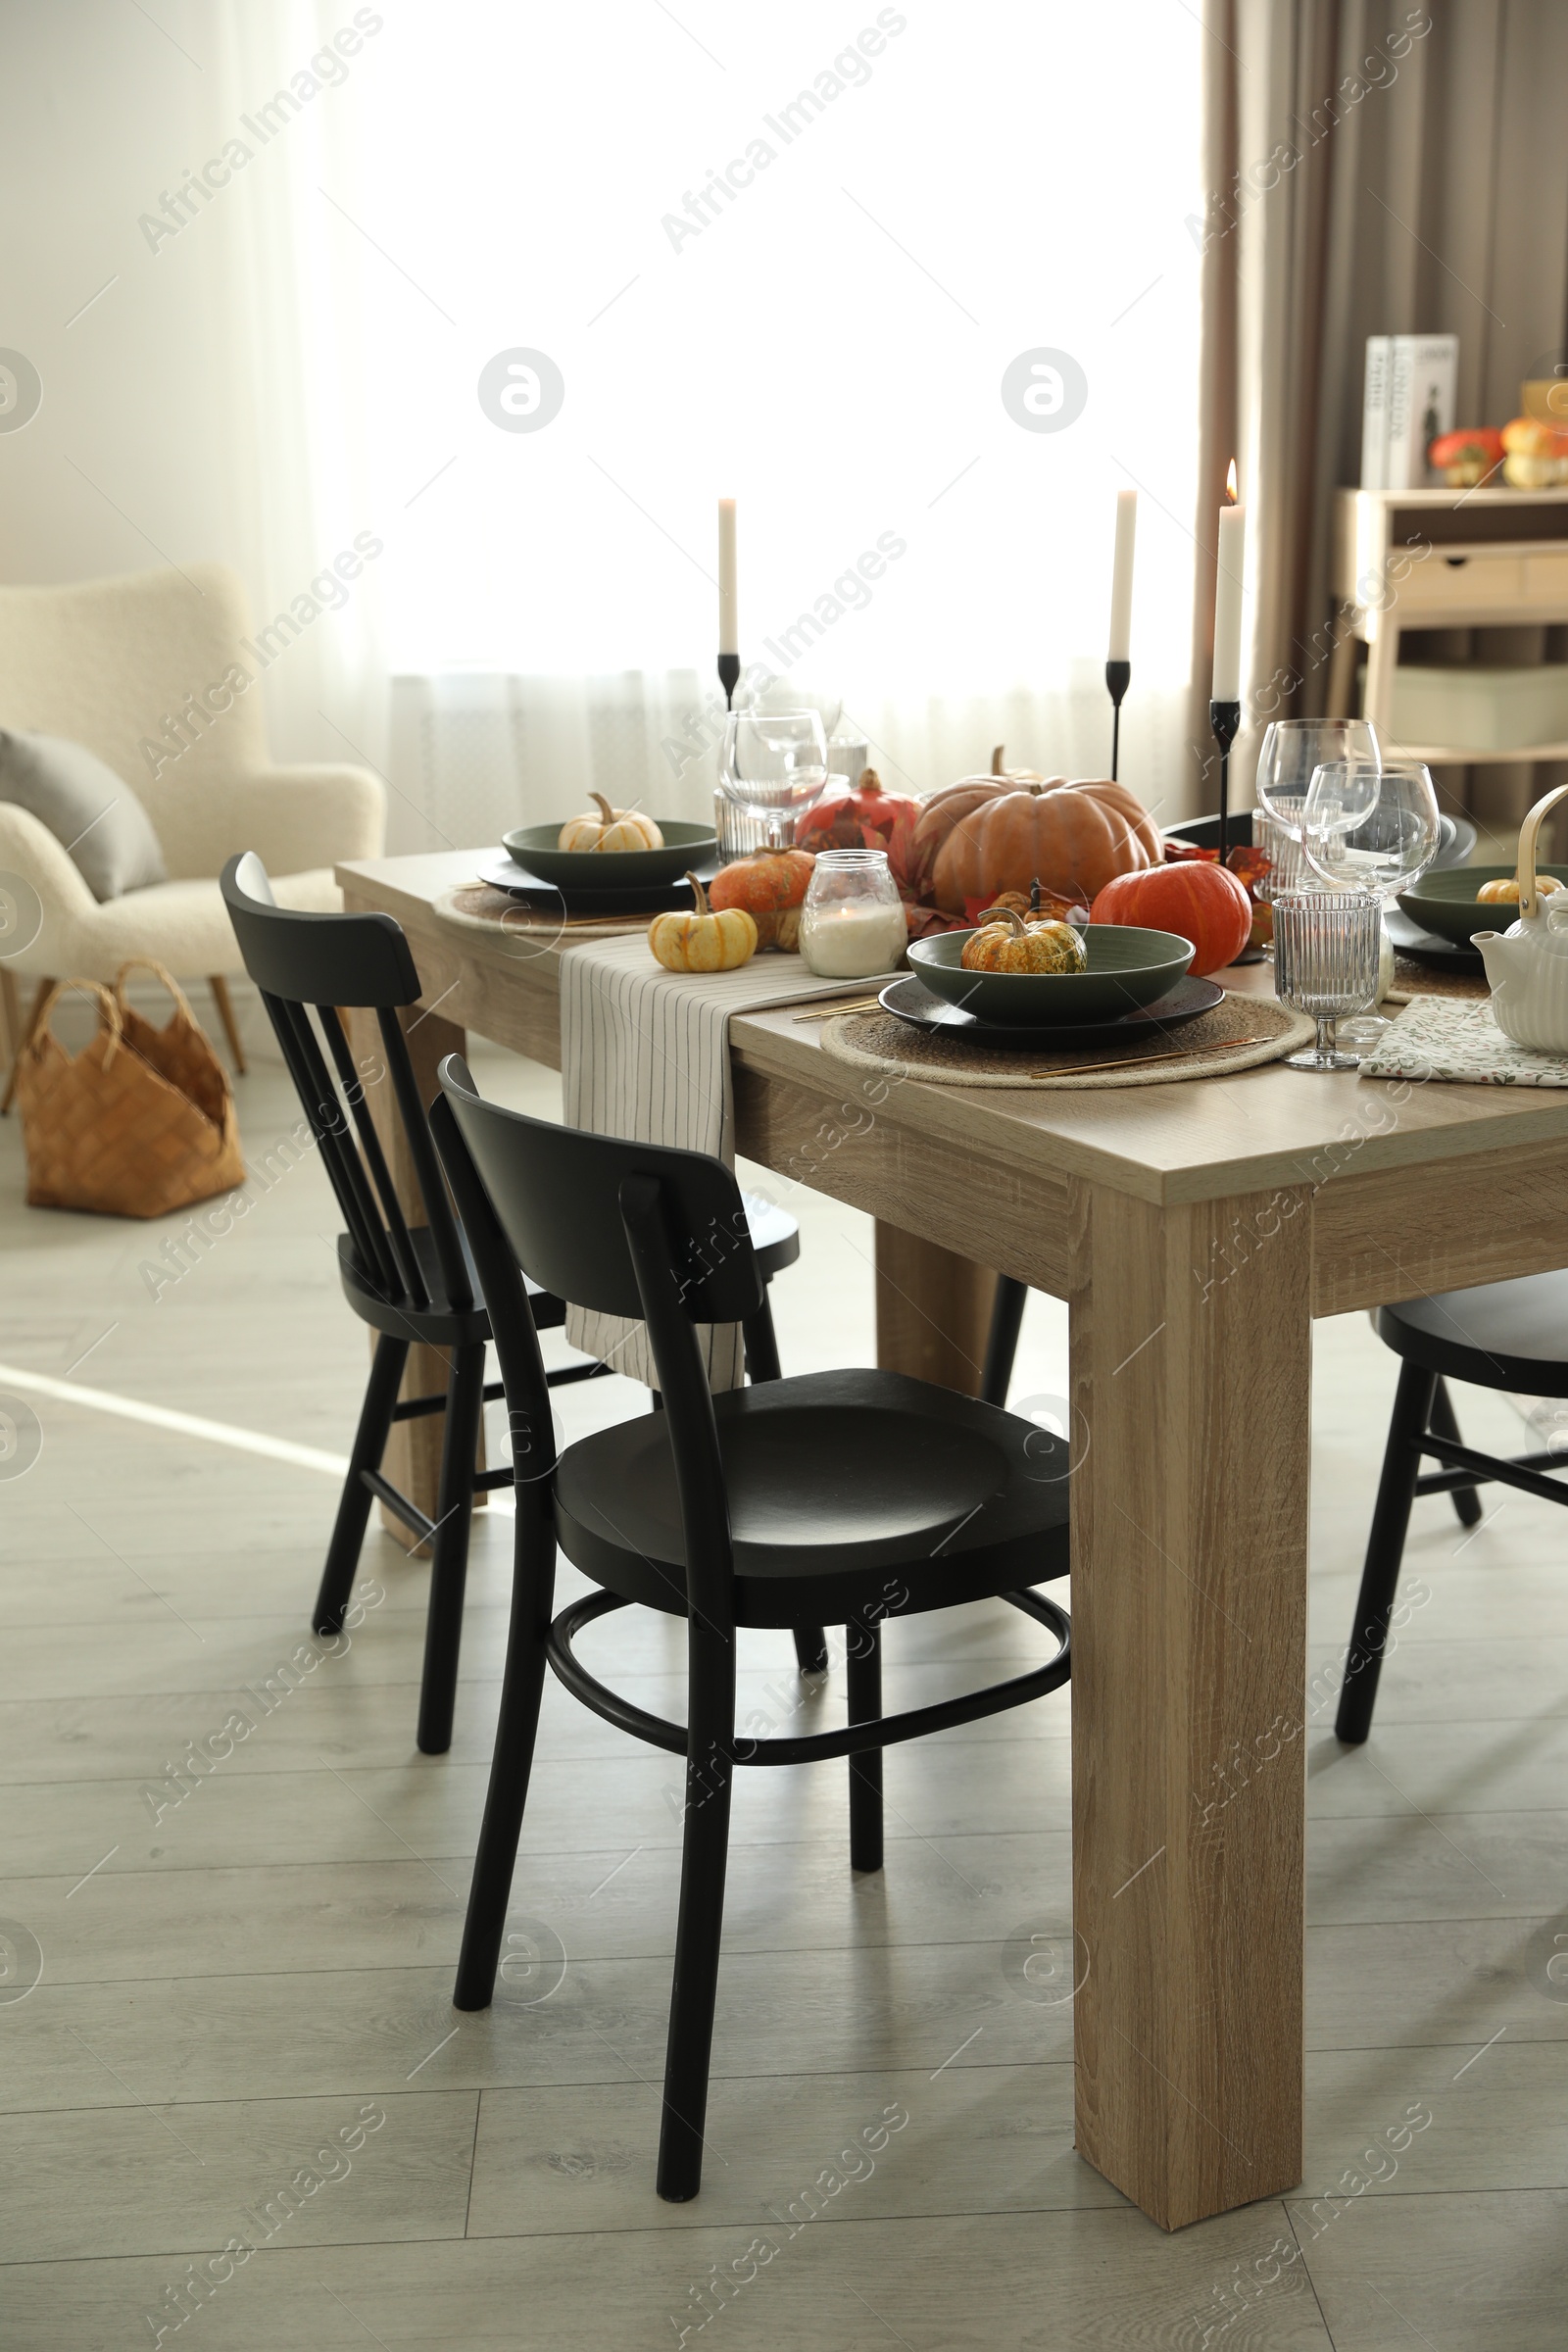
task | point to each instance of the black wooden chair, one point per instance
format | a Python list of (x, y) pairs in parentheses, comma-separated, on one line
[(835, 1498), (1511, 1336), (412, 1285)]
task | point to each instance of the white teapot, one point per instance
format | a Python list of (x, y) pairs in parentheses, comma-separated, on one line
[(1527, 965)]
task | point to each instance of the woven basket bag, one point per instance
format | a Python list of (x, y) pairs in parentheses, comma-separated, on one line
[(140, 1122)]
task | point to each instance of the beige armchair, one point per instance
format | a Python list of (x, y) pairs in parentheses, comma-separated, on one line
[(157, 673)]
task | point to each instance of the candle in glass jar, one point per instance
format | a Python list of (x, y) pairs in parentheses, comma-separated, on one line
[(853, 940)]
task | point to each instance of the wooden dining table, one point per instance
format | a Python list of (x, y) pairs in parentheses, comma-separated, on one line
[(1194, 1229)]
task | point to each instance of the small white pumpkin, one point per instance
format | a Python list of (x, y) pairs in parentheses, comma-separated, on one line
[(610, 829)]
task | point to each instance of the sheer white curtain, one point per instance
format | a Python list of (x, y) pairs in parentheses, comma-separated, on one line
[(787, 257)]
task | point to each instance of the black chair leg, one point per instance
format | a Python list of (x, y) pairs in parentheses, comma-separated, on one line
[(710, 1732), (1001, 1342), (490, 1890), (811, 1649), (1443, 1424), (449, 1568), (354, 1508), (1380, 1578), (864, 1662)]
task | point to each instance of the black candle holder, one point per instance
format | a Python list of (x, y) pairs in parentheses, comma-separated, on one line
[(730, 677), (1118, 677), (1225, 720)]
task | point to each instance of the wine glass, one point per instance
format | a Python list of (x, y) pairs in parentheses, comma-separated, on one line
[(1293, 751), (1370, 825), (775, 763)]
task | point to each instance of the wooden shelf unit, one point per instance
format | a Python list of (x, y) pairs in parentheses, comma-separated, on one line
[(1442, 559)]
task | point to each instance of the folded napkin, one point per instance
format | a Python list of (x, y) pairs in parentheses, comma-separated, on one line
[(644, 1053), (1447, 1039)]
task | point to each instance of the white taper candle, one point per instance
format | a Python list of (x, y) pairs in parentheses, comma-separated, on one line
[(1121, 584), (729, 634), (1227, 685)]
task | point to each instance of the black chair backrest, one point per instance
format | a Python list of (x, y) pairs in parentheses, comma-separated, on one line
[(637, 1230), (557, 1197), (316, 962)]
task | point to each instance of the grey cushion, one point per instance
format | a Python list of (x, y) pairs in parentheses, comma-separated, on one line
[(93, 814)]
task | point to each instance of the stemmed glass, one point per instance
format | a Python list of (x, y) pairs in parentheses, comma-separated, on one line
[(1326, 948), (1371, 826), (774, 763), (1293, 751)]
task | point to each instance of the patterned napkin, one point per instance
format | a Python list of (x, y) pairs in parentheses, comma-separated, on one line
[(1439, 1037)]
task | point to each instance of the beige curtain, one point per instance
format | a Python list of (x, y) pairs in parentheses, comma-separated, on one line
[(1372, 167)]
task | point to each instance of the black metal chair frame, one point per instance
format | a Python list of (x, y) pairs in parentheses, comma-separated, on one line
[(662, 1201)]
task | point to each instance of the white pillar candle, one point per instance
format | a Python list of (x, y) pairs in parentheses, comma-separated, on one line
[(851, 941), (1121, 583), (729, 634), (1227, 684)]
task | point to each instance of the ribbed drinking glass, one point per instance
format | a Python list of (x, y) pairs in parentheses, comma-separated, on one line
[(1326, 947)]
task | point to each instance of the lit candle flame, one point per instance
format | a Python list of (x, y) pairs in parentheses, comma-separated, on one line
[(1230, 485)]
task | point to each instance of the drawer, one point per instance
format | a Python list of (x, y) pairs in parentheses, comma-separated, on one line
[(1470, 583), (1474, 587)]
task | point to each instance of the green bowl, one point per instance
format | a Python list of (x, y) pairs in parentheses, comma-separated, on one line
[(1444, 900), (685, 845), (1128, 968)]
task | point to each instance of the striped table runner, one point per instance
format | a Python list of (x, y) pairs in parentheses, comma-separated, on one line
[(644, 1053)]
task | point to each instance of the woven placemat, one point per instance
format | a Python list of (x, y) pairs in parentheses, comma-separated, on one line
[(1242, 1032), (475, 907), (1413, 979)]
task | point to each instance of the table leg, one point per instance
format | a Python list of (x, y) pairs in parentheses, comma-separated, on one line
[(412, 1457), (933, 1311), (1191, 1379)]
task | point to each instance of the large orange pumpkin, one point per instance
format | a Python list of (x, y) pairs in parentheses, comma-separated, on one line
[(1076, 837), (1202, 903)]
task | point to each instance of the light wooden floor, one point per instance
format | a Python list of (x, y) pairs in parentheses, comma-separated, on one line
[(239, 1988)]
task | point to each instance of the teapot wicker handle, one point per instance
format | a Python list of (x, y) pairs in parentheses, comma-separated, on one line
[(1528, 893)]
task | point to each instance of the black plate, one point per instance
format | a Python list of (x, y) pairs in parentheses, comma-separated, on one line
[(914, 1003), (503, 872), (1412, 938)]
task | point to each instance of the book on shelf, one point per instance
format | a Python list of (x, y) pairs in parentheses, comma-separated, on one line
[(1408, 401)]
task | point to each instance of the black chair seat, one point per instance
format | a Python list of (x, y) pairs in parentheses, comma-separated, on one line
[(438, 1324), (916, 1498), (1505, 1334)]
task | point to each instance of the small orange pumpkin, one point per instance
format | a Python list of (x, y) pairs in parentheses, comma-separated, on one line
[(1010, 945), (1203, 902), (700, 941), (771, 887), (1504, 892)]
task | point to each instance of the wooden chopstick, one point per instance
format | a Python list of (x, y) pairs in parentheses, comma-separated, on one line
[(825, 1012), (1133, 1062)]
